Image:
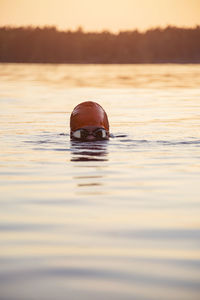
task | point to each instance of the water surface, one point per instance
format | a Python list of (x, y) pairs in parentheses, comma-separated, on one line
[(102, 220)]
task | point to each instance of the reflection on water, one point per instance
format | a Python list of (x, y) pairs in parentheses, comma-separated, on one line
[(91, 180), (89, 151), (102, 76), (117, 219)]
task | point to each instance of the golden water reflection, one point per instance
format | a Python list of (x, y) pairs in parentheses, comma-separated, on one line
[(110, 218)]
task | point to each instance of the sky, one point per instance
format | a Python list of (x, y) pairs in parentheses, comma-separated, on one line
[(97, 15)]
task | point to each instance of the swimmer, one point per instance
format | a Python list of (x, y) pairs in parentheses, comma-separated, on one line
[(89, 122)]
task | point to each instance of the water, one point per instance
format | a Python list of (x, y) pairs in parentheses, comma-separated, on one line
[(104, 220)]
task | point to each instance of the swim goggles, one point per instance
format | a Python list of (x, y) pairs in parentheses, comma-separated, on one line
[(82, 134)]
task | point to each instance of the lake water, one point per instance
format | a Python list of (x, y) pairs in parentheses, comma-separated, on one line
[(101, 220)]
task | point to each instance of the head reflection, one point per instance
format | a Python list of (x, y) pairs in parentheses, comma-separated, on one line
[(90, 177), (89, 151)]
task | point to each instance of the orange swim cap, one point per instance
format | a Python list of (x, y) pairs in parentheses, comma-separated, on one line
[(88, 113)]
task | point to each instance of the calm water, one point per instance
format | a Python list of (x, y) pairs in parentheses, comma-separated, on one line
[(106, 220)]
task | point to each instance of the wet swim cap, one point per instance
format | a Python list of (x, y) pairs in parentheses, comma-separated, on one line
[(88, 114)]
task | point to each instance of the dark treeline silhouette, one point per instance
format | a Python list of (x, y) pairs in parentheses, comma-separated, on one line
[(48, 45)]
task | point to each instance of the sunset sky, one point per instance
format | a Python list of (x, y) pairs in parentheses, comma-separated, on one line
[(100, 14)]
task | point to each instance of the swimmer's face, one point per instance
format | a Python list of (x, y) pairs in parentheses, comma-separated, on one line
[(90, 133)]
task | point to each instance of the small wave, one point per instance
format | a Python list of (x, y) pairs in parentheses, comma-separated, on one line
[(193, 141), (176, 143), (124, 77)]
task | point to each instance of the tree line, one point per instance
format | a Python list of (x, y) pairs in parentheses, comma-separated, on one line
[(49, 45)]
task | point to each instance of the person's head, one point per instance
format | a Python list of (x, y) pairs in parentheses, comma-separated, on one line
[(89, 122)]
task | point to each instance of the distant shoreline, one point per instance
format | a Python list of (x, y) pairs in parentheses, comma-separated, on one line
[(171, 45)]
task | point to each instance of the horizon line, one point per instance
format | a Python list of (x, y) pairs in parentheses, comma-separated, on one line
[(80, 28)]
